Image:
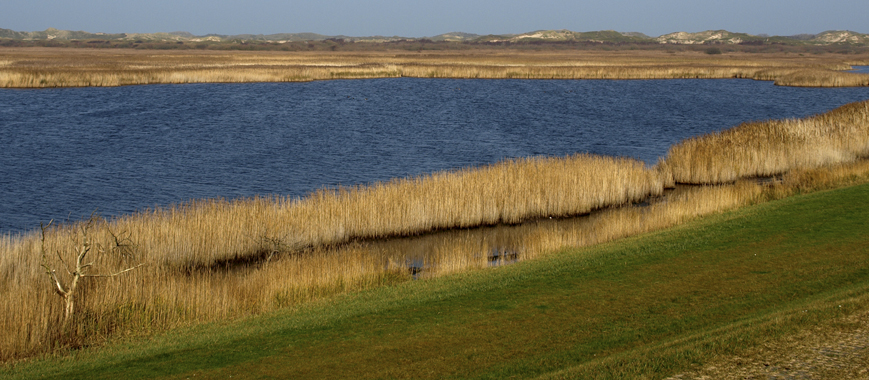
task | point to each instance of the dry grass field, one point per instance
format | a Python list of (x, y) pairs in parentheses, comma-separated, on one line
[(59, 67)]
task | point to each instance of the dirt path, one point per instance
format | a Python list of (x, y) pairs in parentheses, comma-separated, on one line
[(837, 350)]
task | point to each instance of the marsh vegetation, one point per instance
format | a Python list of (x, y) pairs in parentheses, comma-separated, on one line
[(214, 259), (760, 149), (57, 67)]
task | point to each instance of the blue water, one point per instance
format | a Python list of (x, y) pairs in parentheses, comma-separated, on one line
[(68, 152), (860, 69)]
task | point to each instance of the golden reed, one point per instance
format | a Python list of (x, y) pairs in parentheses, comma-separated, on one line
[(187, 249), (772, 147), (58, 67)]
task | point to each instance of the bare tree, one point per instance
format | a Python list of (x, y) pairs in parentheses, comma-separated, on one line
[(67, 291)]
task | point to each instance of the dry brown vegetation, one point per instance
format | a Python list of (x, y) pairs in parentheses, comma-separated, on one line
[(214, 259), (58, 67), (190, 250), (772, 147)]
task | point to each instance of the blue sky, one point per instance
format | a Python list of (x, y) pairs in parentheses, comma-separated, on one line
[(422, 18)]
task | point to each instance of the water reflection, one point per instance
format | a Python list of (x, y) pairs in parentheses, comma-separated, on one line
[(447, 251)]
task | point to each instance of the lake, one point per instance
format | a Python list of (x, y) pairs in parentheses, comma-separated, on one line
[(68, 152)]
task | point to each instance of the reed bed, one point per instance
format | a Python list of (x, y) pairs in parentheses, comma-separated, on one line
[(203, 233), (772, 147), (191, 252), (163, 296), (780, 75), (47, 67), (157, 297)]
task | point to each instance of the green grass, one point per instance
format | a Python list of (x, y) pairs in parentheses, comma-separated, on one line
[(648, 306)]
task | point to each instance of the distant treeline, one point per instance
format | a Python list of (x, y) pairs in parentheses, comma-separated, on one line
[(338, 44)]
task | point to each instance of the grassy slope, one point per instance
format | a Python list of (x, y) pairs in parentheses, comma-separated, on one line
[(650, 305)]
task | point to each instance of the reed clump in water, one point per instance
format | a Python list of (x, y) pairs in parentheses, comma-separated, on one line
[(47, 67), (506, 192), (759, 149)]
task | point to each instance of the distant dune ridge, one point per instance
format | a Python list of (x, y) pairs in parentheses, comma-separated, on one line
[(709, 36)]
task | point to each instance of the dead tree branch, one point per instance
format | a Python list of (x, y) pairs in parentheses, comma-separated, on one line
[(121, 244)]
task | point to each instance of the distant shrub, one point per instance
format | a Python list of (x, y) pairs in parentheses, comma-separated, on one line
[(713, 50)]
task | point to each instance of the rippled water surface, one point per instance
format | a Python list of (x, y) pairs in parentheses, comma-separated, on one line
[(68, 152)]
